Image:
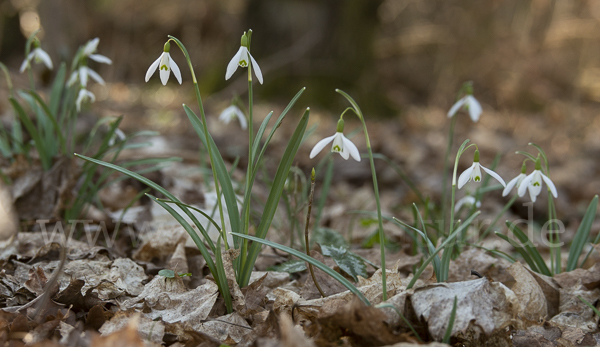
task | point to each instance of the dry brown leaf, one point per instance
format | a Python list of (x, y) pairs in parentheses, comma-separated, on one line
[(254, 297), (147, 329), (160, 243), (178, 261), (291, 336), (127, 337), (574, 313), (328, 284), (37, 280), (237, 297), (229, 329), (169, 299), (550, 290), (8, 218), (531, 297), (589, 278), (478, 260), (285, 300), (482, 307)]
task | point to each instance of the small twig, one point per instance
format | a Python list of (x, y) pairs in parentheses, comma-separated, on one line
[(310, 202)]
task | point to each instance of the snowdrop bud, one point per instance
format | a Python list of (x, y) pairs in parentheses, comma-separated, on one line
[(167, 47), (36, 43), (340, 126), (244, 40), (476, 156), (312, 175)]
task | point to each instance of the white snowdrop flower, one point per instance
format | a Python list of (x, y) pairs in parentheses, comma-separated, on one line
[(83, 72), (231, 113), (165, 64), (341, 144), (90, 48), (38, 55), (533, 183), (84, 94), (466, 201), (470, 104), (474, 173), (243, 58), (515, 181), (117, 135)]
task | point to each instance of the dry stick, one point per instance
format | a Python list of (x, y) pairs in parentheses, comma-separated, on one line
[(310, 201)]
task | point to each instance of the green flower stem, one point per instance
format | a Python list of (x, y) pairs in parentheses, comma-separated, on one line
[(9, 84), (358, 112), (502, 212), (210, 154), (445, 170), (246, 216), (306, 242)]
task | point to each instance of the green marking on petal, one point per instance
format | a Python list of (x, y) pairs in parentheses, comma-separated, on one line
[(164, 67), (336, 149), (536, 184), (477, 178), (243, 63)]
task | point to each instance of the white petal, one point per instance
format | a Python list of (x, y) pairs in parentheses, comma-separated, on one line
[(175, 69), (80, 99), (73, 78), (493, 174), (44, 57), (83, 75), (532, 194), (100, 58), (469, 200), (240, 115), (225, 115), (26, 62), (90, 47), (474, 108), (476, 174), (351, 148), (550, 185), (338, 146), (257, 71), (320, 145), (525, 184), (152, 68), (456, 106), (164, 69), (510, 185), (233, 64), (465, 176), (94, 75)]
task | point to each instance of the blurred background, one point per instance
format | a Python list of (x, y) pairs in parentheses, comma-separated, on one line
[(535, 67)]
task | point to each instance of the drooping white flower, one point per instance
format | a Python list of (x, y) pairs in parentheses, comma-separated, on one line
[(474, 173), (82, 73), (533, 183), (84, 94), (466, 201), (469, 103), (233, 112), (117, 135), (165, 64), (515, 181), (340, 145), (38, 55), (243, 58), (90, 48)]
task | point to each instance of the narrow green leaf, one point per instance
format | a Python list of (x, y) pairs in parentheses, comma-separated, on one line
[(50, 115), (347, 261), (310, 260), (274, 195), (532, 264), (437, 264), (34, 133), (290, 266), (532, 251), (589, 305), (222, 278), (57, 88), (222, 173), (448, 333), (582, 234)]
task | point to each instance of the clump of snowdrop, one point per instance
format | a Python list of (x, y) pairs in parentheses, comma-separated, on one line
[(83, 71), (37, 55), (340, 145), (468, 103), (474, 173), (165, 64), (243, 58), (233, 112)]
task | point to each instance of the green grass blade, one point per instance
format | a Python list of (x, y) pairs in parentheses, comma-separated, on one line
[(154, 186), (57, 88), (181, 204), (582, 234), (274, 196), (448, 333), (222, 278), (260, 133), (308, 259), (532, 251), (220, 169), (34, 133), (532, 264), (437, 265), (384, 305), (50, 116), (589, 305), (450, 238)]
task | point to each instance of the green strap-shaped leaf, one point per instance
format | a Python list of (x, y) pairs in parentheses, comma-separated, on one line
[(582, 234), (57, 88), (274, 195), (532, 251), (33, 132), (532, 264), (308, 259)]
